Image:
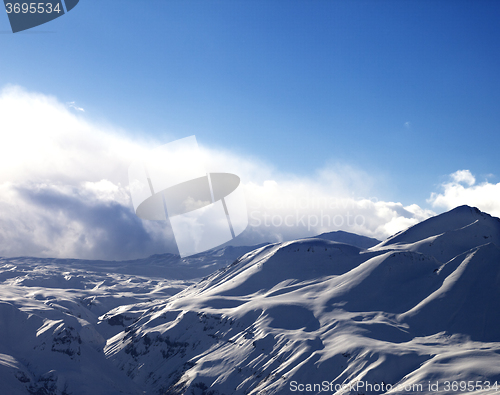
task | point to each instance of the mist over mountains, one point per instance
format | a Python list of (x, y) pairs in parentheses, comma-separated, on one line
[(339, 313)]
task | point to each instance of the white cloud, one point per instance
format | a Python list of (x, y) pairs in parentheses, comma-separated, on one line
[(41, 139), (285, 206), (59, 220), (463, 176), (463, 189), (285, 209), (63, 184), (64, 190), (72, 105)]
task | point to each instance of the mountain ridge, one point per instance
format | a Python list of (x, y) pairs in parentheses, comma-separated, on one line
[(415, 308), (377, 296)]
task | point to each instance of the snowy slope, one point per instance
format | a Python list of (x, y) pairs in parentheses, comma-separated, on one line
[(314, 310), (50, 309), (420, 308), (447, 235)]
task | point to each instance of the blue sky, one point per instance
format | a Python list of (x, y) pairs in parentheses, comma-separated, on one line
[(407, 92)]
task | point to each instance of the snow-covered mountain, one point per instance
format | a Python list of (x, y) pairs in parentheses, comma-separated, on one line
[(349, 238), (417, 313)]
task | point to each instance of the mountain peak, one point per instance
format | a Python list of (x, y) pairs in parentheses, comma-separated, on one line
[(481, 226), (349, 238)]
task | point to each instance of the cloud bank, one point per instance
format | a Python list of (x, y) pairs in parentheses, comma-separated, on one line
[(63, 185), (462, 188), (64, 190)]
